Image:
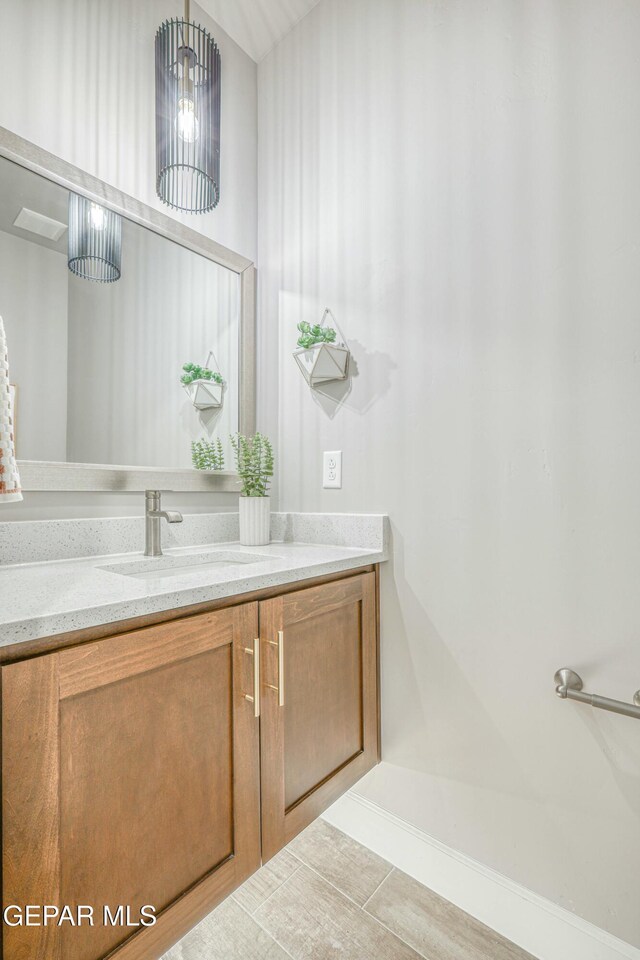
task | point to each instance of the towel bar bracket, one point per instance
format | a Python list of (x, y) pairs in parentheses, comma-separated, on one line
[(569, 686)]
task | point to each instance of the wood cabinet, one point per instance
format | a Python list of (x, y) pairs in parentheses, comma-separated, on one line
[(136, 771), (319, 724)]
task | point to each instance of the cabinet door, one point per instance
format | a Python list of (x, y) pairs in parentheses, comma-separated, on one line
[(319, 726), (130, 776)]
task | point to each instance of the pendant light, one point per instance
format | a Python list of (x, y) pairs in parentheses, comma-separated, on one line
[(187, 116), (95, 240)]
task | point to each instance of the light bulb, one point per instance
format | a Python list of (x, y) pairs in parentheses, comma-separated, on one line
[(187, 123), (96, 216)]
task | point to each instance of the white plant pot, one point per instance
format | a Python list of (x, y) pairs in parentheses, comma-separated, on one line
[(204, 393), (255, 521), (323, 362)]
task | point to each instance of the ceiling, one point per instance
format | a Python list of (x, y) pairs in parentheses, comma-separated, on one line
[(257, 25)]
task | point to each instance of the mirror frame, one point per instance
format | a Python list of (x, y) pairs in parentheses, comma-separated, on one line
[(37, 475)]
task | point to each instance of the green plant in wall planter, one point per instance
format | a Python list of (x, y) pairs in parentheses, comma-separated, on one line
[(254, 462), (207, 455), (310, 335), (203, 385), (322, 355)]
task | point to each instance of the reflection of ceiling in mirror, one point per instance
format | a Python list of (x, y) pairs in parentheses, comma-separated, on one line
[(21, 188), (99, 365)]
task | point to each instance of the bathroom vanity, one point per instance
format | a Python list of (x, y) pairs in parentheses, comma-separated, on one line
[(168, 723), (159, 760)]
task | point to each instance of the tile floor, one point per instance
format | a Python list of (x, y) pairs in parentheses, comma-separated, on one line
[(325, 897)]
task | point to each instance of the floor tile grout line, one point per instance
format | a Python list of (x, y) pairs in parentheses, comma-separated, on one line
[(279, 887), (506, 941), (251, 912), (264, 929), (384, 880), (424, 955), (347, 897), (393, 933), (410, 945), (368, 900), (362, 907), (331, 884)]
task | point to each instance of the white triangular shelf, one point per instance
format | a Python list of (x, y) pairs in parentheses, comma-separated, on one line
[(204, 394), (323, 362)]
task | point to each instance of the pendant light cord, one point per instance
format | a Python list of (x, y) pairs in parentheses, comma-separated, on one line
[(185, 40)]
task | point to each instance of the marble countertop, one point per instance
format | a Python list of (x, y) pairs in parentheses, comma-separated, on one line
[(43, 599)]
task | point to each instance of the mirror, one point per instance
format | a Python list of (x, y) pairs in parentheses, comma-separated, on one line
[(96, 367)]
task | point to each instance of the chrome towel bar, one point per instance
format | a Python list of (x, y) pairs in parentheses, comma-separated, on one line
[(569, 687)]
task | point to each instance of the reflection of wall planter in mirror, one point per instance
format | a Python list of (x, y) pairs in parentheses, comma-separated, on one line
[(80, 344), (187, 116), (94, 240), (204, 385), (323, 354)]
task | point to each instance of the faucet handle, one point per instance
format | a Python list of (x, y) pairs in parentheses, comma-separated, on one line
[(152, 499), (172, 516)]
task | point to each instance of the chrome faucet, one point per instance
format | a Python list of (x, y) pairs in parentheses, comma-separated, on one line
[(152, 517)]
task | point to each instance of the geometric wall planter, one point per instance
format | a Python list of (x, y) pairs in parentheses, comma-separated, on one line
[(204, 394), (323, 362)]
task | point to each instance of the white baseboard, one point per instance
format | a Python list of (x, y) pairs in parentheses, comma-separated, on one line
[(547, 931)]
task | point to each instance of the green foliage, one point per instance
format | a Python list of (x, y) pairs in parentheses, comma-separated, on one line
[(254, 460), (207, 455), (310, 335), (194, 372)]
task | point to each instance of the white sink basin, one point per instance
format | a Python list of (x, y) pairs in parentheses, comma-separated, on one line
[(158, 568)]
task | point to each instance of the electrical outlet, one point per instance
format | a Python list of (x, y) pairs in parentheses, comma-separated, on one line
[(332, 469)]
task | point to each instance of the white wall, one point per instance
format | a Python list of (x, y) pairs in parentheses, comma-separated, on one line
[(86, 93), (80, 83), (35, 321), (459, 182)]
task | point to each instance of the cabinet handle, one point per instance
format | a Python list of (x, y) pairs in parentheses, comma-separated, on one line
[(255, 699), (280, 688)]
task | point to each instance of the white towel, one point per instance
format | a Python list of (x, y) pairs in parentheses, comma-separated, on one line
[(9, 477)]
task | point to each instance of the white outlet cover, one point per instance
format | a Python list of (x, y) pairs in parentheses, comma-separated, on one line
[(332, 470)]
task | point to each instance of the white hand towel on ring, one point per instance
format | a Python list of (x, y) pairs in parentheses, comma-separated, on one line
[(9, 476)]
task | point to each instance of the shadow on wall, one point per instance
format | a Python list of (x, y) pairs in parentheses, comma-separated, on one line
[(447, 735), (368, 380), (624, 763), (452, 734)]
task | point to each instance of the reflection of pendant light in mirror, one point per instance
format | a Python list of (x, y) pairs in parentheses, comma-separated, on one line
[(95, 240), (187, 116)]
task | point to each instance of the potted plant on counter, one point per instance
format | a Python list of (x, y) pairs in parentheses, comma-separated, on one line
[(254, 461)]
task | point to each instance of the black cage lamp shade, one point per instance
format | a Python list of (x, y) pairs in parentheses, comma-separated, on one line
[(94, 240), (187, 116)]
